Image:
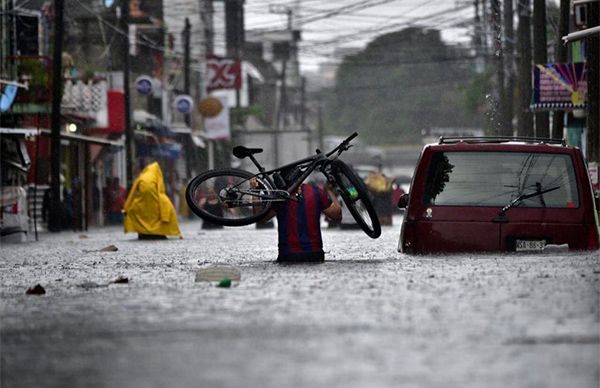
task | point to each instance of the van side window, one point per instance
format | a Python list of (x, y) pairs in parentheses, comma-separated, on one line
[(497, 178)]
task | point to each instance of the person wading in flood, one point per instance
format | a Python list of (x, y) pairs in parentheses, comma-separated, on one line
[(299, 223)]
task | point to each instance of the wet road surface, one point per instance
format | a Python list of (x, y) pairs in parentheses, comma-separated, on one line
[(368, 317)]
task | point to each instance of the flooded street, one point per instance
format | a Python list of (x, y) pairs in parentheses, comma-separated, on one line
[(368, 317)]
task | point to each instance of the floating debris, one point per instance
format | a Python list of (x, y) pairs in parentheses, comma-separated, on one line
[(225, 283), (109, 248), (90, 285), (120, 280), (36, 290), (217, 273)]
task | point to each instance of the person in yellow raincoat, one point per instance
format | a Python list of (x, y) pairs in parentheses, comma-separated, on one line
[(148, 210)]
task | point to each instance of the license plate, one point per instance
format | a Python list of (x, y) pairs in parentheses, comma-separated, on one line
[(530, 245)]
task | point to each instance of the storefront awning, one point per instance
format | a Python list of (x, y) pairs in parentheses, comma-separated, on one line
[(180, 129), (183, 129), (578, 35), (84, 138), (27, 132)]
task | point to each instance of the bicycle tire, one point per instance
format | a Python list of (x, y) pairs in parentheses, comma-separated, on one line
[(209, 197), (355, 195)]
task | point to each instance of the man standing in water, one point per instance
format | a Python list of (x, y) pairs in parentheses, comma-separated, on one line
[(299, 224)]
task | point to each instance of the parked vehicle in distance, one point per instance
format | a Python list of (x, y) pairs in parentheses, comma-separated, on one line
[(482, 194)]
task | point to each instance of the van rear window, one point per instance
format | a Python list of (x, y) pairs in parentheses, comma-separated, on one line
[(497, 178)]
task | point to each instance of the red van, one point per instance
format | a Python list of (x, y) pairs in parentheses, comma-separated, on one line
[(499, 194)]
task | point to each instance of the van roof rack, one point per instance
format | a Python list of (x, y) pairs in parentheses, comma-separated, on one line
[(499, 139)]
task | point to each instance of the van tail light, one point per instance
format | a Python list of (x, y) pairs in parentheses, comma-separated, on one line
[(593, 244)]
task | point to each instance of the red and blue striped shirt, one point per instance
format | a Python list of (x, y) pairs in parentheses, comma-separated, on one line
[(299, 224)]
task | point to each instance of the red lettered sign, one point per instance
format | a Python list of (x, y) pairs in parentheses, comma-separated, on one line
[(223, 73)]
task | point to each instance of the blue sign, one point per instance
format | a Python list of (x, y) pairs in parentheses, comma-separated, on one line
[(183, 103), (8, 96), (143, 84)]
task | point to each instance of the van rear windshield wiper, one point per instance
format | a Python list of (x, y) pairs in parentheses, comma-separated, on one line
[(525, 196)]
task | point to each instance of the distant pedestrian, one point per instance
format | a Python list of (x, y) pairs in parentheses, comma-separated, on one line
[(106, 199), (184, 210), (380, 188), (211, 203), (118, 195), (148, 210)]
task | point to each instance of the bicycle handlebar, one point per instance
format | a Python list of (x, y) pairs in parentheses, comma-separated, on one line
[(351, 137), (343, 145)]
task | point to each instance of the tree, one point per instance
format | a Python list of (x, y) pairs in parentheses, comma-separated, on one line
[(400, 84)]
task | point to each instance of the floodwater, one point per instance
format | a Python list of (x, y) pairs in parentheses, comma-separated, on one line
[(368, 317)]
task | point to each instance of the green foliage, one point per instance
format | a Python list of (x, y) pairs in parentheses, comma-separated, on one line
[(241, 114), (475, 93), (34, 71), (400, 84)]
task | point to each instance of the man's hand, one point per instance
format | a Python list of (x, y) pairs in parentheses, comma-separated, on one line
[(253, 183), (330, 190), (334, 211)]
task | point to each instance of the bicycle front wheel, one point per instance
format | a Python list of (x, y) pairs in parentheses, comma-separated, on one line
[(225, 197), (356, 197)]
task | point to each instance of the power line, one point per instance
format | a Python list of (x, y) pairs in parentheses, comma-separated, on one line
[(379, 30)]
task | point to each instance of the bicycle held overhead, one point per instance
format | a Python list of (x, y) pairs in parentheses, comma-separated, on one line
[(245, 198)]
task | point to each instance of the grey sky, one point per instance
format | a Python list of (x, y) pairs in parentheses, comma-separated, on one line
[(327, 25)]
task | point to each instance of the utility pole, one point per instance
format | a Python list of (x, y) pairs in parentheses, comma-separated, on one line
[(234, 35), (561, 57), (509, 63), (186, 90), (478, 38), (499, 123), (54, 222), (593, 70), (129, 139), (280, 117), (525, 118), (303, 104), (186, 62), (540, 56), (320, 121), (234, 15)]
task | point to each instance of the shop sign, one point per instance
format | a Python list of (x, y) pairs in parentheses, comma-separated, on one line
[(183, 104), (143, 85)]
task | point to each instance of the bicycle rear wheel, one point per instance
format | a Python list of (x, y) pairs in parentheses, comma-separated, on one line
[(356, 197), (225, 197)]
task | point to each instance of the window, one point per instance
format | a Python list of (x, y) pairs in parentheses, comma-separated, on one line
[(497, 178)]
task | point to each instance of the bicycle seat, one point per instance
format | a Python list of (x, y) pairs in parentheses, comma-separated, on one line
[(241, 152)]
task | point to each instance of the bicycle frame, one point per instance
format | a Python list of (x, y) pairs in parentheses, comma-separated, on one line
[(314, 162), (244, 197)]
